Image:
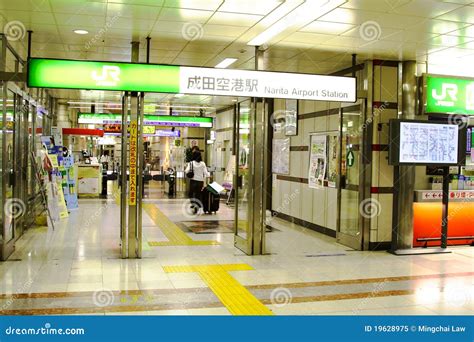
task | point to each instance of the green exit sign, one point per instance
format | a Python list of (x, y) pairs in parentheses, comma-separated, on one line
[(444, 94)]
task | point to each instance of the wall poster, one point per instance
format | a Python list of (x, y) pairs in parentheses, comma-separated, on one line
[(333, 147), (281, 156), (317, 160), (291, 117)]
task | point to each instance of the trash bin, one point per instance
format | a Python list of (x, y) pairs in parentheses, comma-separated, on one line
[(104, 183), (171, 183)]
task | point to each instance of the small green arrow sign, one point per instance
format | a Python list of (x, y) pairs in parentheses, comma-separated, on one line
[(350, 158)]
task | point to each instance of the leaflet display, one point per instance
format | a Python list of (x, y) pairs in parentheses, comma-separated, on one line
[(426, 143)]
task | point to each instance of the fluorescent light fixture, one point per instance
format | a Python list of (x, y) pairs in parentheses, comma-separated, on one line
[(179, 95), (81, 31), (225, 63), (294, 16)]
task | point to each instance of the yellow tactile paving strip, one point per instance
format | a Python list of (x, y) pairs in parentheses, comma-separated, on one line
[(175, 236), (235, 297)]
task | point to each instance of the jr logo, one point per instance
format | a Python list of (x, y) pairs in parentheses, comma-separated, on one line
[(109, 77), (448, 95)]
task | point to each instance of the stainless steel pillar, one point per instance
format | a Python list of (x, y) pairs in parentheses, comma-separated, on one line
[(259, 156), (132, 163), (405, 182), (123, 177), (134, 191)]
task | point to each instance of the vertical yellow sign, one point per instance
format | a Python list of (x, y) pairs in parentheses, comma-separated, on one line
[(132, 193)]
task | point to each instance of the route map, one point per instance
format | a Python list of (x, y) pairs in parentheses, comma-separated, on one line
[(428, 143)]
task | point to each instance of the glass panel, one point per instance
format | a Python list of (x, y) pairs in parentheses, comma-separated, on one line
[(351, 136), (31, 135), (243, 178), (9, 156)]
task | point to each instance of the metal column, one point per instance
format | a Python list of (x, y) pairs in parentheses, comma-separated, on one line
[(404, 175), (134, 169), (123, 177), (132, 163), (260, 171)]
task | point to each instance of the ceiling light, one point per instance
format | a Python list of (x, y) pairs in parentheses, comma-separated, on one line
[(225, 63), (294, 17), (81, 31), (178, 95), (234, 100)]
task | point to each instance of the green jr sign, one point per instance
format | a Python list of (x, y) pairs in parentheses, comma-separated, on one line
[(444, 94), (157, 78), (65, 74)]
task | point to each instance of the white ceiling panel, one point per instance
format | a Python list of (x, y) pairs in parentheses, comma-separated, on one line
[(25, 5), (209, 5), (437, 26), (404, 29), (77, 7), (186, 15), (250, 6), (375, 5), (462, 14), (234, 19), (426, 8), (325, 27)]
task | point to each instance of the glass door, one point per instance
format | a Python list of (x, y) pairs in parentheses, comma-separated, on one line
[(349, 230), (242, 178), (10, 205)]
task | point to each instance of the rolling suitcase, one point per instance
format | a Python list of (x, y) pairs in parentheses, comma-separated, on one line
[(210, 200)]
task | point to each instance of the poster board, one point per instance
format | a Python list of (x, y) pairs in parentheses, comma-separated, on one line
[(281, 156), (317, 160)]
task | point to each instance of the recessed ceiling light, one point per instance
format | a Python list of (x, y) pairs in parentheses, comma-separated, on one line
[(234, 100), (81, 31), (178, 95), (226, 62)]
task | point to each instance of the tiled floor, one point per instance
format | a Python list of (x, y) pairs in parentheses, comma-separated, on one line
[(76, 269)]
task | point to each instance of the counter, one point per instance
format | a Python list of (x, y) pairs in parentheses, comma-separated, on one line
[(427, 216)]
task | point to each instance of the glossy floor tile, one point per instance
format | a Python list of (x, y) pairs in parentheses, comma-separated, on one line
[(77, 269)]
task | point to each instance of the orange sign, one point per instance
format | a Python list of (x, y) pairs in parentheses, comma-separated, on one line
[(132, 193)]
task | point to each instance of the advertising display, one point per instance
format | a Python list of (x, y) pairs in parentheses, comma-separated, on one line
[(150, 120), (426, 143), (94, 75), (150, 130), (445, 94), (317, 160), (281, 156)]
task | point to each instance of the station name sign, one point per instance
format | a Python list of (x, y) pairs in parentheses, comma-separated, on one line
[(91, 75), (445, 94)]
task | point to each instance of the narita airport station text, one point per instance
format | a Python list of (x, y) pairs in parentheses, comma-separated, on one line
[(324, 93)]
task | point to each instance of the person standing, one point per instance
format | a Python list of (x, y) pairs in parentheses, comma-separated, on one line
[(199, 168)]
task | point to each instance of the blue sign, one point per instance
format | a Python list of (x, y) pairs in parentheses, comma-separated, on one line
[(222, 328)]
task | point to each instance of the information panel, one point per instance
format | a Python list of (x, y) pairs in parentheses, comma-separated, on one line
[(70, 74), (426, 143)]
